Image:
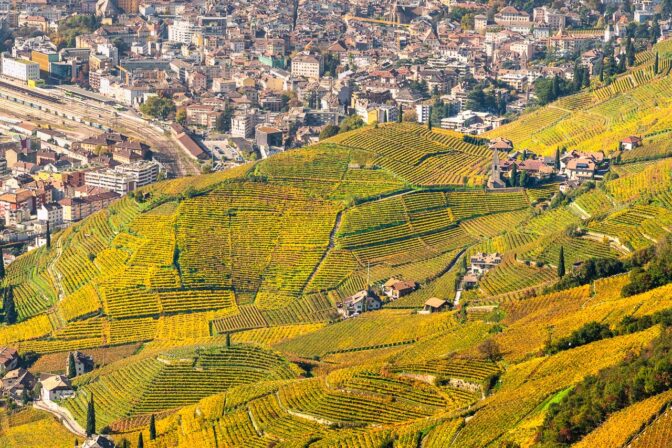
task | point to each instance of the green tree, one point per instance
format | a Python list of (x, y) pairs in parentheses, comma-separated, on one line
[(181, 116), (152, 428), (228, 340), (666, 8), (350, 123), (224, 120), (522, 182), (561, 262), (329, 131), (513, 177), (557, 158), (158, 107), (72, 370), (467, 21), (8, 306), (400, 114), (48, 237), (630, 52), (141, 442), (91, 417), (655, 64), (2, 264)]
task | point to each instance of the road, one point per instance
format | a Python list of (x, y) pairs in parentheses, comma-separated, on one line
[(175, 160), (63, 415)]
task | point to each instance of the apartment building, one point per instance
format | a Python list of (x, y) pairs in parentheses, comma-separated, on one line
[(20, 69)]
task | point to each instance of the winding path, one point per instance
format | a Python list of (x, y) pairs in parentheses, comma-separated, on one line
[(63, 415)]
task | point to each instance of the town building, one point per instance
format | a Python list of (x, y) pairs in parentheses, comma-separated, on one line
[(55, 387), (21, 69), (308, 66)]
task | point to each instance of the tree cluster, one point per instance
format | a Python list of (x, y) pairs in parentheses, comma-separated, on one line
[(158, 107), (481, 101), (590, 403), (350, 123), (73, 26), (656, 273), (548, 90), (590, 332), (590, 270)]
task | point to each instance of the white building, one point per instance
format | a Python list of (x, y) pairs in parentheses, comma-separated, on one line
[(20, 69), (125, 177), (242, 126), (55, 387), (182, 31), (422, 111), (143, 172), (308, 66), (52, 213)]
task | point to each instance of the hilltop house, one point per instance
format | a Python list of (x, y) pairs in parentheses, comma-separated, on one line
[(98, 441), (482, 262), (630, 143), (394, 288), (16, 381), (9, 359), (359, 303), (55, 387), (83, 363), (582, 168)]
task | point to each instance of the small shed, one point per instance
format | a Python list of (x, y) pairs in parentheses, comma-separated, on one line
[(435, 305)]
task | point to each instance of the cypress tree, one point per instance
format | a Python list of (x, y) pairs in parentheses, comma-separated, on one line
[(561, 262), (557, 158), (91, 418), (141, 442), (8, 306), (523, 179), (401, 114), (429, 120), (48, 236), (514, 175), (2, 264), (228, 340), (152, 428), (655, 64), (630, 52), (72, 370)]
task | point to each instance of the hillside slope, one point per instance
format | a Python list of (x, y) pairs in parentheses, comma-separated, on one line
[(264, 252), (636, 103)]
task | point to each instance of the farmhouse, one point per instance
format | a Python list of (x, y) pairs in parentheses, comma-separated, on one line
[(394, 288), (482, 262), (55, 387), (9, 359), (358, 303), (582, 168), (83, 363), (630, 143), (16, 381)]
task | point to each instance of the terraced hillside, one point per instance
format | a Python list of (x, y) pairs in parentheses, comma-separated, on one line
[(221, 292), (637, 103)]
